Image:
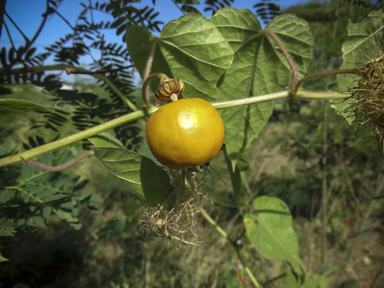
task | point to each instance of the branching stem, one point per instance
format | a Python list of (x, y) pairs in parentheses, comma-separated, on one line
[(16, 26)]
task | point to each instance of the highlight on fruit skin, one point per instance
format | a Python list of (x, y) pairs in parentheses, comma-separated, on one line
[(185, 133), (367, 99), (167, 87)]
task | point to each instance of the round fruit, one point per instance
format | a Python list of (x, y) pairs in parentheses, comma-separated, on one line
[(185, 133)]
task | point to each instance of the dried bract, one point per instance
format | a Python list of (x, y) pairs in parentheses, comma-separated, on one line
[(169, 87)]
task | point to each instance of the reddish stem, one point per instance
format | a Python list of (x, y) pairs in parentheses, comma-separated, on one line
[(286, 55), (149, 64), (59, 168), (319, 74)]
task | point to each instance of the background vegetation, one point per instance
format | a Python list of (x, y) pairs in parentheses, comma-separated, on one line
[(97, 242)]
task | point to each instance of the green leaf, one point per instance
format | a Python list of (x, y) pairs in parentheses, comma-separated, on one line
[(71, 184), (6, 227), (72, 220), (26, 197), (6, 195), (77, 226), (139, 43), (2, 259), (361, 36), (105, 140), (63, 157), (36, 190), (270, 231), (62, 181), (47, 211), (8, 145), (80, 186), (321, 281), (190, 48), (258, 68), (54, 198), (190, 9), (63, 215), (140, 175), (10, 107), (348, 284), (96, 198), (197, 52), (46, 193), (291, 281), (39, 221), (318, 281), (242, 163), (67, 205)]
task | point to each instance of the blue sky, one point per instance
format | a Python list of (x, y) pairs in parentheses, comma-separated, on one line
[(27, 15)]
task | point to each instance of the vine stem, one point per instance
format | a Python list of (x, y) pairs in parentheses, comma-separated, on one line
[(98, 76), (27, 155), (225, 235), (73, 138)]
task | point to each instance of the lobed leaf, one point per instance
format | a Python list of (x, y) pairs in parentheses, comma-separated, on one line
[(258, 68), (270, 231)]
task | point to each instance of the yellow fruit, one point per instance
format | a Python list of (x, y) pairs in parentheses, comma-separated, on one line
[(185, 133)]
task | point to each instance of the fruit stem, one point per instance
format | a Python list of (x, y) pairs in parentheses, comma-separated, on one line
[(174, 97), (145, 85), (183, 181)]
